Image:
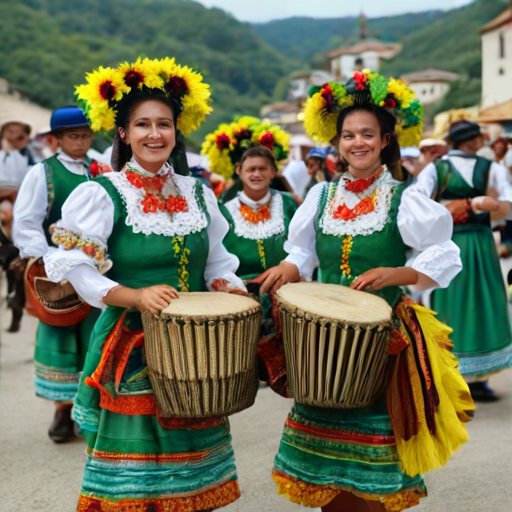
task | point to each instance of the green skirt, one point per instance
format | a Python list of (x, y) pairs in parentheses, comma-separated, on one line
[(137, 460), (59, 358), (475, 305)]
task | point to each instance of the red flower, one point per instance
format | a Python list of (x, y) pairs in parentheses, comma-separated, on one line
[(95, 169), (390, 103), (151, 204), (107, 90), (328, 96), (133, 78), (267, 140), (177, 86), (360, 79), (176, 204), (223, 141)]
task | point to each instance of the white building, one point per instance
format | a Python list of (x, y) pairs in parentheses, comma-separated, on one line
[(368, 53), (430, 85), (301, 82), (497, 60)]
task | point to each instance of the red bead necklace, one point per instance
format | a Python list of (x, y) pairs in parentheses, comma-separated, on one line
[(154, 201)]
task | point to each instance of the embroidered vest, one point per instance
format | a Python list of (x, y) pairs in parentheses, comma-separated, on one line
[(145, 260), (60, 183), (257, 255), (452, 186), (343, 258)]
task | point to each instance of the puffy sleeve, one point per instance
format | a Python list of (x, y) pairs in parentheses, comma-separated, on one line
[(427, 227), (220, 263), (82, 235), (498, 181), (29, 213), (426, 182), (301, 243)]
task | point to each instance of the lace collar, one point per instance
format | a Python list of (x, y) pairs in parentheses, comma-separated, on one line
[(350, 214), (160, 223), (261, 230)]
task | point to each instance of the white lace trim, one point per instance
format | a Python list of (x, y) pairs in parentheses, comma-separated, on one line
[(57, 268), (364, 224), (261, 230), (160, 223)]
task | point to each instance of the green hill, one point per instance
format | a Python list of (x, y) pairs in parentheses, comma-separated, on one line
[(303, 38), (46, 46)]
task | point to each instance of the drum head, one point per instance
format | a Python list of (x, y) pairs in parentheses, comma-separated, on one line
[(335, 303), (208, 304)]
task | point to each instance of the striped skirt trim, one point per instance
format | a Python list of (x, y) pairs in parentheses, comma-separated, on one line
[(209, 499), (317, 496)]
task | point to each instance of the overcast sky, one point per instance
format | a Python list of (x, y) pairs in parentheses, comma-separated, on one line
[(265, 10)]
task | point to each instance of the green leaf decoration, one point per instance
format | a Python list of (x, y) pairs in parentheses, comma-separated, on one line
[(378, 89), (338, 90), (314, 89)]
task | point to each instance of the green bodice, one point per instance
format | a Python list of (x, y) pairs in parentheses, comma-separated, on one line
[(140, 260), (60, 183), (360, 253), (256, 256), (452, 186)]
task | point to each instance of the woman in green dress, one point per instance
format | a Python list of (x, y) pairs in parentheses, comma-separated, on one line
[(476, 191), (163, 233), (258, 228), (357, 232)]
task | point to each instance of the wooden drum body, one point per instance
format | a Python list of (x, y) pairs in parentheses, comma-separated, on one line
[(335, 342), (201, 354)]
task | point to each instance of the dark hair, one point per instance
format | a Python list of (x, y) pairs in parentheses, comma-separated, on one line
[(121, 152), (261, 151), (390, 155)]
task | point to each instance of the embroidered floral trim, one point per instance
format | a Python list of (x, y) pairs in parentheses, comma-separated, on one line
[(255, 216), (181, 253), (361, 184), (154, 201), (181, 223), (351, 214), (260, 230), (345, 253), (261, 251), (92, 248)]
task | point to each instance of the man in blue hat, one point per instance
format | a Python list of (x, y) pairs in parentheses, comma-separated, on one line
[(60, 351)]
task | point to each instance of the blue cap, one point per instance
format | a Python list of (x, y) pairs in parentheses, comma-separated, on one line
[(68, 117), (317, 153)]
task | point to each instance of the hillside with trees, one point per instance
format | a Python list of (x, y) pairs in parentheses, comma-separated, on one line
[(46, 46)]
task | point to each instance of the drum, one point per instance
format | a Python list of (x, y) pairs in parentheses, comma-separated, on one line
[(335, 342), (201, 354), (55, 304)]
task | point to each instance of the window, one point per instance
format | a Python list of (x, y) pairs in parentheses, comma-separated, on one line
[(502, 46)]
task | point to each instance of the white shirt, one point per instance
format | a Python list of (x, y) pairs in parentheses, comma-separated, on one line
[(31, 208), (13, 168), (424, 225), (426, 182), (296, 173), (89, 211)]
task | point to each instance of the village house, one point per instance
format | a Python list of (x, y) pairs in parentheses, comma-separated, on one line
[(430, 85)]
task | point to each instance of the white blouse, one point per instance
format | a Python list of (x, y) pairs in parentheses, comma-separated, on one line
[(424, 225), (31, 208), (89, 211), (426, 182)]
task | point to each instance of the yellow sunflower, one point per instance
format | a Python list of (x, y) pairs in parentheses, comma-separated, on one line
[(103, 86)]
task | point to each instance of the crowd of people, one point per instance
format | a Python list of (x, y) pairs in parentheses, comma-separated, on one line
[(375, 207)]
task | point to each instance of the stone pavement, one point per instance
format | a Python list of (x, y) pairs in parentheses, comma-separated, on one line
[(39, 476)]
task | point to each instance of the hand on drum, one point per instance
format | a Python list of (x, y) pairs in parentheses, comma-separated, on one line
[(155, 298), (378, 278), (273, 278)]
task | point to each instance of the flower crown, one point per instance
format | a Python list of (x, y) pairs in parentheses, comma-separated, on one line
[(226, 145), (106, 87), (366, 87)]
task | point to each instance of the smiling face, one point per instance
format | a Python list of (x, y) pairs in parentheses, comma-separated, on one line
[(361, 142), (256, 174), (151, 134)]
